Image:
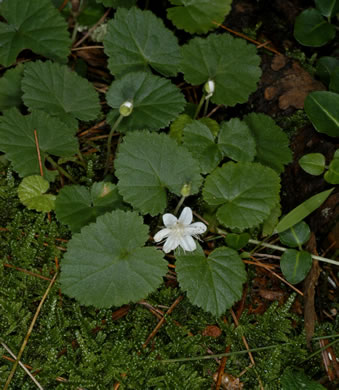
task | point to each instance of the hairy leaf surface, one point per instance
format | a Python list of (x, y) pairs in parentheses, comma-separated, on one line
[(220, 275), (148, 164), (34, 25), (105, 264), (244, 192), (137, 39), (230, 62)]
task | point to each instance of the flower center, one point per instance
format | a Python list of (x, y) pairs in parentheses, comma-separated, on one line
[(179, 229)]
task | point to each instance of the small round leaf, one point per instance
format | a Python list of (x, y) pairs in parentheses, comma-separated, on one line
[(296, 235), (311, 29), (31, 193), (105, 265), (213, 283), (295, 265), (332, 175), (313, 163), (322, 109), (325, 67)]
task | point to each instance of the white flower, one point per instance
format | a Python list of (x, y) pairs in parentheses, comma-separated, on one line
[(180, 231)]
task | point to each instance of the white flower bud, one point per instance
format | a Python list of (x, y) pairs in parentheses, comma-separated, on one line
[(209, 88), (126, 108)]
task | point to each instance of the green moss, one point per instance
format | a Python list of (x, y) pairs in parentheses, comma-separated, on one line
[(73, 346), (307, 63), (291, 124)]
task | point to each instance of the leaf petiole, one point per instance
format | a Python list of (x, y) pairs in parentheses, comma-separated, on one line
[(60, 169), (199, 106), (109, 141)]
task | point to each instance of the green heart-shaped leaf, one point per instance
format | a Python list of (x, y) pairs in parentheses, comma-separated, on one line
[(220, 275)]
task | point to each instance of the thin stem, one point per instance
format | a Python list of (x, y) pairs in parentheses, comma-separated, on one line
[(81, 158), (23, 367), (15, 365), (281, 249), (199, 106), (109, 141), (181, 201), (60, 169), (219, 355), (205, 357), (320, 350), (74, 33), (206, 106)]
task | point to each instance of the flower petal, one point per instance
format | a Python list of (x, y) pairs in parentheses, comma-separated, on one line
[(196, 228), (171, 243), (169, 219), (186, 216), (163, 233), (187, 243)]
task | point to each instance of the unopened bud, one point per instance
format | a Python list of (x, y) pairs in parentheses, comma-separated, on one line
[(126, 108), (209, 88), (186, 190)]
